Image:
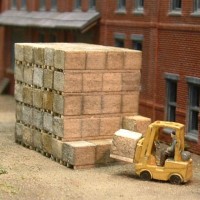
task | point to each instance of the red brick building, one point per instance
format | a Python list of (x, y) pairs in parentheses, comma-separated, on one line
[(43, 21), (167, 32)]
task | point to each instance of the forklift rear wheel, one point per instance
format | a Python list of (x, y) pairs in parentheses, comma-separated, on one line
[(145, 175), (175, 179)]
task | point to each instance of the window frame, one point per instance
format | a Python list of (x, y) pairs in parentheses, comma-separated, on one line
[(121, 6), (196, 6), (53, 5), (92, 5), (119, 43), (139, 6), (14, 5), (119, 37), (23, 5), (16, 35), (171, 101), (77, 5), (42, 5), (137, 38), (193, 108), (174, 7), (53, 37), (137, 45)]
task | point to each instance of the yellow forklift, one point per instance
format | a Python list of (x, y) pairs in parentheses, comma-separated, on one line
[(176, 169)]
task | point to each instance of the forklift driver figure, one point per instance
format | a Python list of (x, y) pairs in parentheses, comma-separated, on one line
[(169, 152)]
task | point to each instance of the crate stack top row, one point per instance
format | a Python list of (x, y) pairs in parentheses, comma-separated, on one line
[(76, 91)]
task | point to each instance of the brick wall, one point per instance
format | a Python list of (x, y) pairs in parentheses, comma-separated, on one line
[(186, 16), (178, 57), (170, 45), (67, 5), (131, 23)]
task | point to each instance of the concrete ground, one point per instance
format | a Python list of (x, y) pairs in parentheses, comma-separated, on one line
[(26, 174)]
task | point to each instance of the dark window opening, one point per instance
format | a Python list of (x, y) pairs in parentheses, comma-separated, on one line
[(139, 4), (121, 4), (197, 5), (137, 45), (137, 41), (171, 100), (17, 36), (193, 109), (53, 5), (14, 4), (119, 39), (41, 37), (176, 5), (42, 5), (92, 4), (53, 37), (23, 4), (78, 4), (119, 42)]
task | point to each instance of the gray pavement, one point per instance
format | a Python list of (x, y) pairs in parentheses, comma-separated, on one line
[(7, 112)]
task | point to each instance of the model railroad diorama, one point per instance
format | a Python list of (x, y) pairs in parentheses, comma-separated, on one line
[(72, 98)]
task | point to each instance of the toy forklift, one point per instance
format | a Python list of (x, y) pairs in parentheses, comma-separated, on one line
[(176, 169)]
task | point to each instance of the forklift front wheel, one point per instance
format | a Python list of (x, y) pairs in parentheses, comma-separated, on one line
[(175, 179), (145, 175)]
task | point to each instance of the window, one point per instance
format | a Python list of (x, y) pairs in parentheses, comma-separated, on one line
[(18, 35), (42, 5), (171, 95), (14, 4), (139, 5), (92, 5), (119, 43), (54, 5), (23, 4), (77, 5), (119, 39), (41, 37), (193, 107), (137, 41), (121, 5), (53, 37), (196, 5), (137, 45), (176, 5)]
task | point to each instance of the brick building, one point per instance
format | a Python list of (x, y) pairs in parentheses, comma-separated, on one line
[(43, 21), (167, 32)]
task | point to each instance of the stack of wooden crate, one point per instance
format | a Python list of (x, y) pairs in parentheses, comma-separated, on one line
[(71, 98)]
